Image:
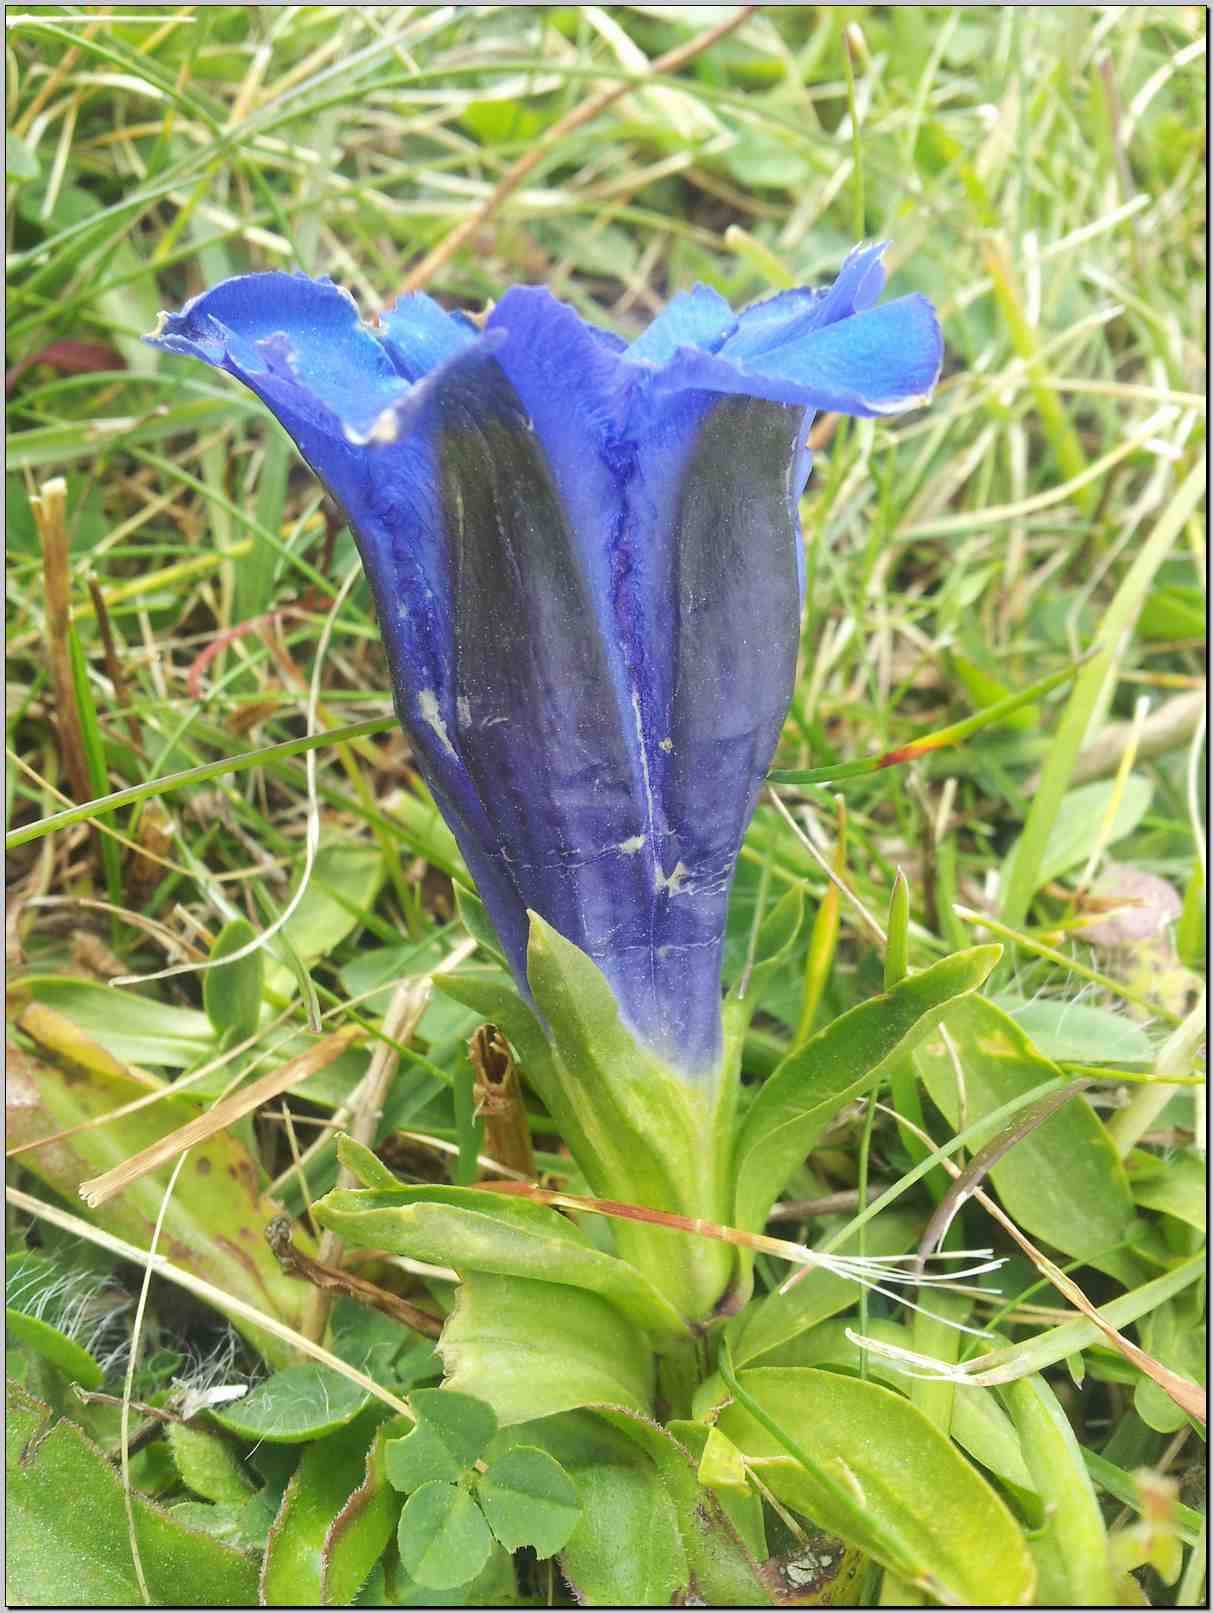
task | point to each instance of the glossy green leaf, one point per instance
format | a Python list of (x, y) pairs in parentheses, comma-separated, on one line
[(136, 1030), (1176, 1185), (443, 1538), (366, 1167), (231, 995), (885, 1480), (476, 1230), (1175, 1334), (978, 1424), (344, 884), (1076, 1031), (1078, 824), (63, 1353), (532, 1348), (1071, 1546), (639, 1131), (722, 1466), (721, 1568), (529, 1500), (450, 1435), (1062, 1182), (295, 1406), (838, 1064), (209, 1465), (321, 1487), (357, 1536), (67, 1541)]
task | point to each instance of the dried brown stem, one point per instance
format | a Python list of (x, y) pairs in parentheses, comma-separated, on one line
[(498, 1093), (332, 1280)]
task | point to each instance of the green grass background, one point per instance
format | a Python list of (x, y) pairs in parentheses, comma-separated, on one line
[(1040, 172)]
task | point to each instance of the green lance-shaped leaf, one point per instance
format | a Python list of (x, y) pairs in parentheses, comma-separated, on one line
[(838, 1064), (863, 1462), (533, 1348), (529, 1500), (1062, 1182), (450, 1435), (231, 994), (639, 1131), (443, 1538), (475, 1230), (319, 1491), (1071, 1548), (773, 945)]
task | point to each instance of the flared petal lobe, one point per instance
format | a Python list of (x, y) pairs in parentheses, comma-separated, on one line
[(584, 558)]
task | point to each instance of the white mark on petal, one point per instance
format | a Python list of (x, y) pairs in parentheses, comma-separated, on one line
[(463, 711), (427, 705), (673, 882), (631, 846), (666, 745), (385, 429)]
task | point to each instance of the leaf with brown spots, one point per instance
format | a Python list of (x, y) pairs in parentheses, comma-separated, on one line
[(213, 1225)]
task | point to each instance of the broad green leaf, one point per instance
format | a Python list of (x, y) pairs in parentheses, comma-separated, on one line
[(449, 1436), (357, 1536), (223, 1520), (533, 1348), (67, 1541), (321, 1487), (1062, 1182), (475, 1230), (721, 1568), (136, 1030), (215, 1220), (19, 161), (344, 884), (900, 1490), (1175, 1334), (70, 1358), (1175, 1185), (1075, 1031), (1078, 825), (209, 1465), (838, 1064), (529, 1500), (978, 1424), (232, 995), (1071, 1546), (443, 1538), (295, 1406)]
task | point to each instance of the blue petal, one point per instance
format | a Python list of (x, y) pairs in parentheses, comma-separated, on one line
[(697, 318), (584, 563), (298, 343), (419, 335), (791, 315)]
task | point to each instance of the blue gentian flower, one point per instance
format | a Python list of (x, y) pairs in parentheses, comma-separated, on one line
[(586, 560)]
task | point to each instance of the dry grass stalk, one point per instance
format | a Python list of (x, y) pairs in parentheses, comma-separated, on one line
[(98, 1189)]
